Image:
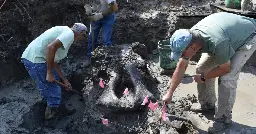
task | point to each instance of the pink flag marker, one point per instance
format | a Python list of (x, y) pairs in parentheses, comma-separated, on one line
[(126, 91), (151, 106), (156, 105), (164, 112), (104, 121), (101, 83), (145, 100)]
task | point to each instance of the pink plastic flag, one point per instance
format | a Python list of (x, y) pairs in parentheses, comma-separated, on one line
[(145, 100), (104, 121), (151, 106), (164, 112), (156, 105), (126, 91), (101, 83)]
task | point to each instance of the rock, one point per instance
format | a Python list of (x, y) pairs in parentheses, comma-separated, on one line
[(177, 124), (140, 49), (130, 72), (248, 5)]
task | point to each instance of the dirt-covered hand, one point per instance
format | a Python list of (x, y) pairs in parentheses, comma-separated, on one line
[(167, 98), (50, 77), (96, 17), (66, 82), (198, 79), (88, 9)]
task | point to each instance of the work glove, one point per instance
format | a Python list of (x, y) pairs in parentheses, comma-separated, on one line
[(96, 17), (88, 9)]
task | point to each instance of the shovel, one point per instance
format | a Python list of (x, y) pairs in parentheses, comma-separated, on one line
[(72, 90)]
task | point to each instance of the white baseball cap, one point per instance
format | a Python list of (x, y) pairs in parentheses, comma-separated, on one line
[(80, 27)]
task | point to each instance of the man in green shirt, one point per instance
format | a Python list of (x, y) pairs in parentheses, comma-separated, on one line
[(227, 41), (41, 58)]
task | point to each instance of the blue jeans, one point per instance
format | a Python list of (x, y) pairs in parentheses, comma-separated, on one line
[(106, 24), (51, 92)]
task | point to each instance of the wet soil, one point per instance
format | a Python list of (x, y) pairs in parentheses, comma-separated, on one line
[(136, 21)]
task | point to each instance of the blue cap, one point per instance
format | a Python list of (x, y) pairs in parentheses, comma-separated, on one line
[(179, 41)]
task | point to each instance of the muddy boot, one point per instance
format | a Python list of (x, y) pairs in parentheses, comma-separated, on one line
[(218, 127), (196, 107), (56, 112), (50, 112), (64, 111)]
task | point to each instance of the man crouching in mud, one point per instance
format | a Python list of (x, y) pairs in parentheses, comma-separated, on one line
[(41, 59), (227, 41)]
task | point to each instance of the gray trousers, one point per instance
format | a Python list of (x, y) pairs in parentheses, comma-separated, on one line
[(227, 84)]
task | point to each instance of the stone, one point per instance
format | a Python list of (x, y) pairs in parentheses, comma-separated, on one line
[(123, 69)]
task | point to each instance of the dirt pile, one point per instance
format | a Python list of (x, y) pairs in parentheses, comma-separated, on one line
[(136, 21), (123, 118), (27, 112)]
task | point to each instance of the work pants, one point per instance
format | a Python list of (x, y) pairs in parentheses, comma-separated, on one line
[(227, 83), (106, 23)]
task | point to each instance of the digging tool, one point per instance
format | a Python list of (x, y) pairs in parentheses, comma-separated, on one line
[(90, 12), (92, 32), (72, 90)]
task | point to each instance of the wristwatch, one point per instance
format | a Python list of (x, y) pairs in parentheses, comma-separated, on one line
[(202, 77)]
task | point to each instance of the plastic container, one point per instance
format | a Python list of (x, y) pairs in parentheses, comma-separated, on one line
[(235, 4), (164, 50)]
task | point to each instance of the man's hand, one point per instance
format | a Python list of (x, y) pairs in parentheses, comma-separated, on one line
[(96, 17), (88, 9), (198, 79), (66, 82), (50, 77), (167, 97)]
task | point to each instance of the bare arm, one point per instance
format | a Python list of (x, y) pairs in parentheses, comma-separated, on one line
[(59, 72), (218, 71), (113, 8), (178, 75), (50, 54)]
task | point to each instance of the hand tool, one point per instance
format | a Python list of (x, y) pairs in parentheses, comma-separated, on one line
[(72, 90)]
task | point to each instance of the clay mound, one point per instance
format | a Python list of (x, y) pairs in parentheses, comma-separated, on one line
[(120, 68)]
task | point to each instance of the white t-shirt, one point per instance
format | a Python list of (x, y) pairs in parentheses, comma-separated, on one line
[(36, 50)]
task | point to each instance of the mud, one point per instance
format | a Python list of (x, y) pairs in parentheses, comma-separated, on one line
[(140, 21), (25, 115)]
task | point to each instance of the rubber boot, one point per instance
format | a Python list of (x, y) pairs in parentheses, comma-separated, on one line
[(50, 112), (56, 112), (64, 111), (218, 127)]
